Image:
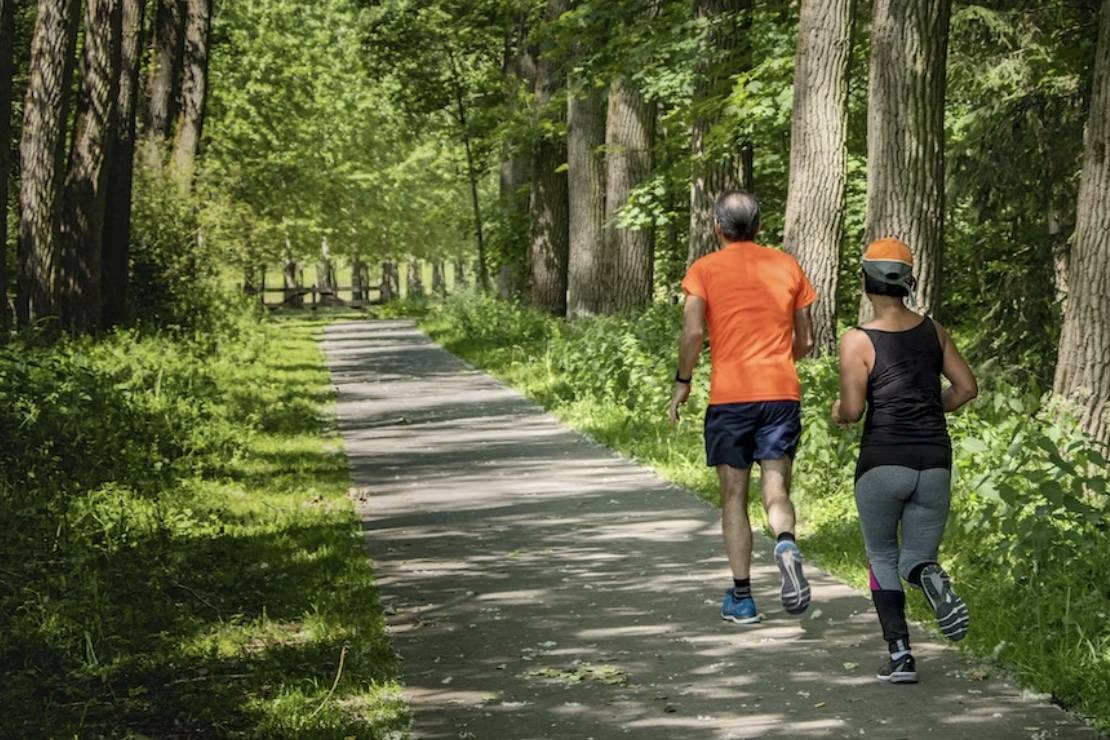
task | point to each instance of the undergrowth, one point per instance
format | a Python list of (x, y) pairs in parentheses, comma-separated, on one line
[(1028, 540), (179, 557)]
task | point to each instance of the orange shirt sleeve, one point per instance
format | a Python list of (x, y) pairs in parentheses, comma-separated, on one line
[(693, 284), (805, 295)]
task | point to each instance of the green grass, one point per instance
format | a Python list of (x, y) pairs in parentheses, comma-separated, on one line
[(1027, 540), (185, 561)]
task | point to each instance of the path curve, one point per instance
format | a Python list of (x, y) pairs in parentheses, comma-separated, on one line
[(538, 585)]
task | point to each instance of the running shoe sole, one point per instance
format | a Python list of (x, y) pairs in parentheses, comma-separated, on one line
[(952, 614), (742, 620), (795, 587), (898, 677)]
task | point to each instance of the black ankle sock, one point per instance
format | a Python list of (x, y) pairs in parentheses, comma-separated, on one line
[(742, 587), (785, 537), (915, 575)]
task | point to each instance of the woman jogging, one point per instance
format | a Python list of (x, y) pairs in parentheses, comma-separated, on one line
[(894, 364)]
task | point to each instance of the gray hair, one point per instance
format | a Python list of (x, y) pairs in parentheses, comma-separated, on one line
[(737, 214)]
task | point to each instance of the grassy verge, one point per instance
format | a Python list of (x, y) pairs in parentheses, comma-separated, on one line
[(179, 556), (1028, 540)]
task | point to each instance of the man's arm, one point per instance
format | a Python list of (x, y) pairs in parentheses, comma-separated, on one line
[(803, 333), (689, 348)]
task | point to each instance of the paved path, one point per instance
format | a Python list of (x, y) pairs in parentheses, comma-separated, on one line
[(540, 586)]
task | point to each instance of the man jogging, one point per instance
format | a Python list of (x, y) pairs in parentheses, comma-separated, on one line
[(756, 302)]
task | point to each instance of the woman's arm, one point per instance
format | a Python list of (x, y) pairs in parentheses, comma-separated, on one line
[(963, 386), (856, 356)]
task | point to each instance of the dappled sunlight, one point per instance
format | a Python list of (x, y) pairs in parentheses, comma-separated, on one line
[(526, 571)]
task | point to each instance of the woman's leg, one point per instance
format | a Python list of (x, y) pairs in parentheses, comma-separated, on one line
[(923, 522), (881, 493)]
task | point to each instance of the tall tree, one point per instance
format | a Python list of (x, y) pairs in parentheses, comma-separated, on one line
[(167, 55), (905, 134), (818, 154), (42, 156), (1083, 363), (117, 209), (82, 223), (588, 278), (629, 137), (724, 52), (7, 66), (549, 208), (194, 90), (518, 73)]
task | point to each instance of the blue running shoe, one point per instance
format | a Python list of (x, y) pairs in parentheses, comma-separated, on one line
[(739, 610), (795, 587)]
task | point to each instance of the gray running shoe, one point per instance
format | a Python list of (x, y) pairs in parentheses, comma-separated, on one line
[(795, 587), (952, 614)]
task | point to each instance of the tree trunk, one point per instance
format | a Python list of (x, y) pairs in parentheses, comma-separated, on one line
[(439, 277), (818, 155), (460, 275), (629, 135), (415, 282), (7, 62), (519, 80), (1083, 363), (905, 135), (42, 157), (325, 276), (194, 91), (588, 278), (725, 52), (121, 175), (390, 288), (291, 284), (82, 223), (358, 279), (549, 208), (250, 280), (164, 79)]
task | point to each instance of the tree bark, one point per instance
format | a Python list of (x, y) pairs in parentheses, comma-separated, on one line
[(390, 288), (167, 54), (7, 68), (549, 207), (460, 275), (291, 283), (818, 155), (414, 280), (121, 175), (518, 71), (82, 223), (725, 52), (629, 136), (358, 279), (905, 135), (194, 91), (439, 277), (587, 277), (1083, 362), (42, 157)]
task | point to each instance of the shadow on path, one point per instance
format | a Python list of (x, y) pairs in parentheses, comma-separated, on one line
[(539, 586)]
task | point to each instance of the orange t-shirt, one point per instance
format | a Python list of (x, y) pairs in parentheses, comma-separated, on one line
[(751, 294)]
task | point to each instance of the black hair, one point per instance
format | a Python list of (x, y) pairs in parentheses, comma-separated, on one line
[(737, 214), (875, 287)]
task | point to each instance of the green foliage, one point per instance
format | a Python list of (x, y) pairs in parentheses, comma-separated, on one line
[(1027, 541), (180, 556)]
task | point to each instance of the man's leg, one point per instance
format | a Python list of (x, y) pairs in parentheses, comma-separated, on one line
[(734, 519), (775, 484), (738, 605)]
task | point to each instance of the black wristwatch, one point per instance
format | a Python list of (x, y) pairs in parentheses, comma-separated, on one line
[(679, 379)]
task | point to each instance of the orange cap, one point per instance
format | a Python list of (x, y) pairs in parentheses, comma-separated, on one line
[(888, 250)]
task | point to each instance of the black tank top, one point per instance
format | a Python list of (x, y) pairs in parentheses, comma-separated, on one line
[(905, 422)]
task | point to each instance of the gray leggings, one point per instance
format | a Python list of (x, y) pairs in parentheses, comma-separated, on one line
[(889, 494)]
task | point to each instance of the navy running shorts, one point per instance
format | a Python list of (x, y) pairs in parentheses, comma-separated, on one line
[(738, 434)]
